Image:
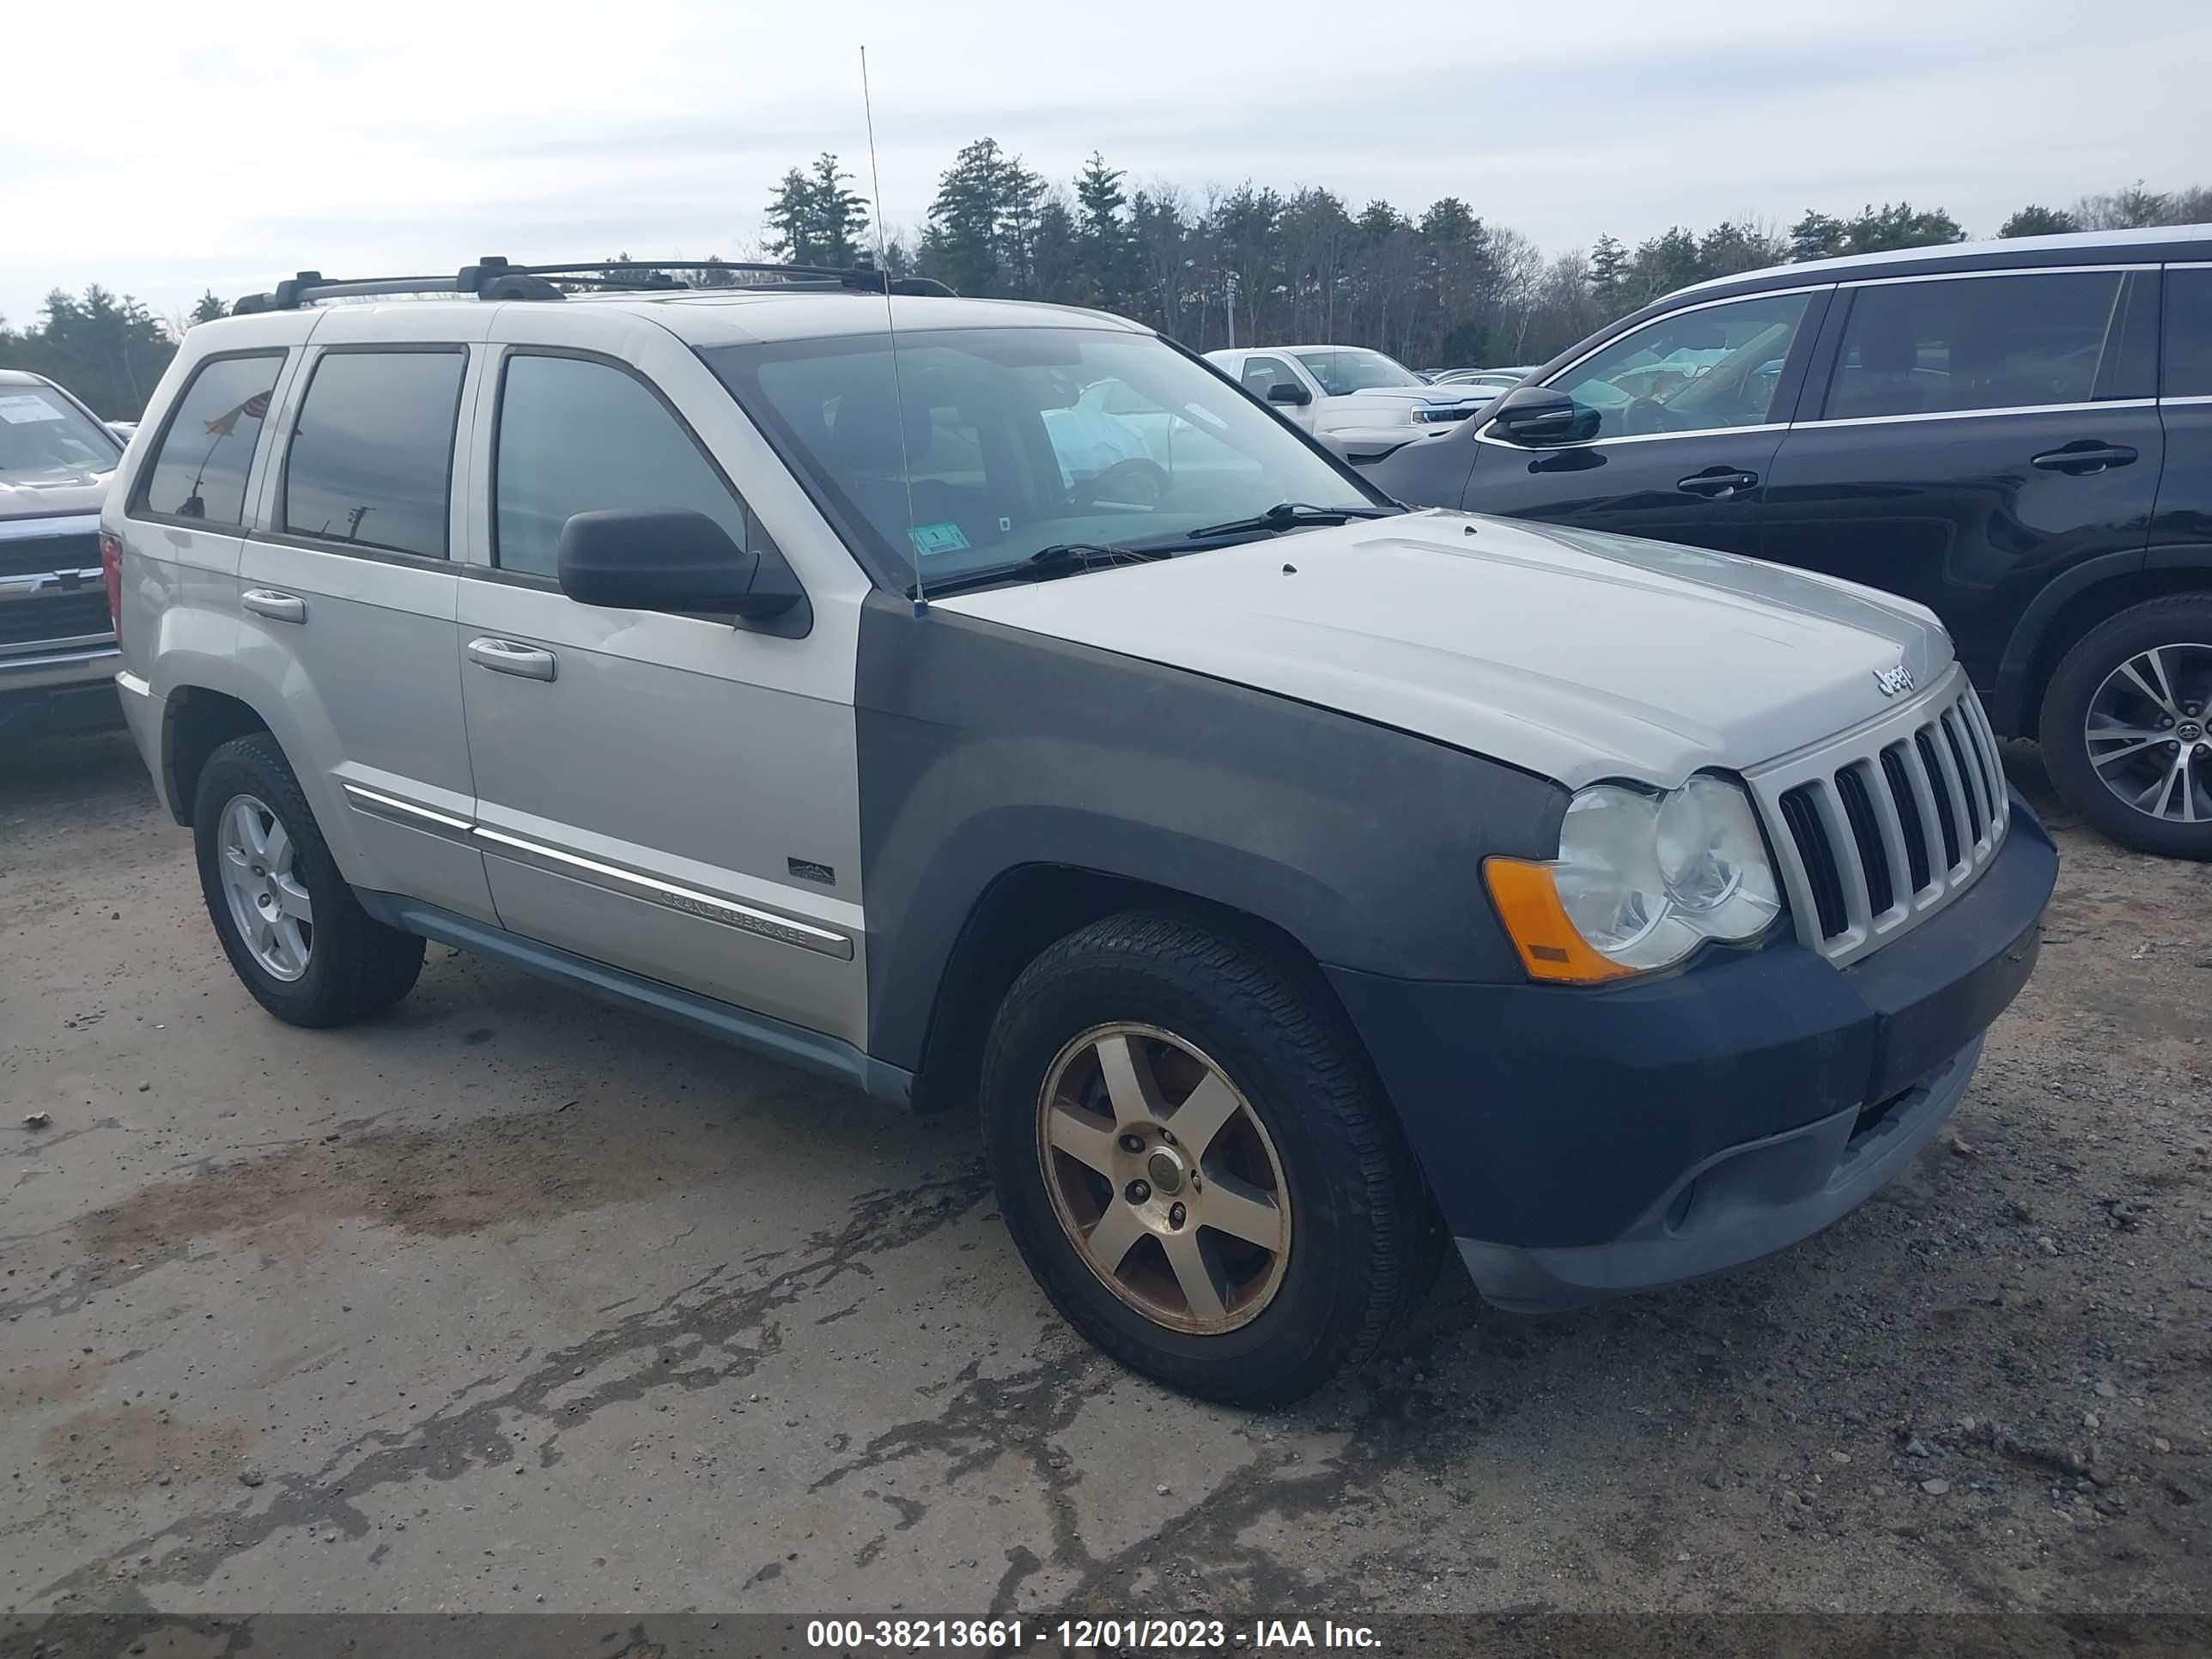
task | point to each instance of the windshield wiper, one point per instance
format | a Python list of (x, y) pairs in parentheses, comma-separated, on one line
[(1060, 559), (1086, 554), (1291, 515)]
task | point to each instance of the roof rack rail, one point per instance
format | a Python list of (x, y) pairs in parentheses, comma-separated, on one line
[(492, 277)]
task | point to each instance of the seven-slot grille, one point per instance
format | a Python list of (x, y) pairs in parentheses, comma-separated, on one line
[(1880, 831)]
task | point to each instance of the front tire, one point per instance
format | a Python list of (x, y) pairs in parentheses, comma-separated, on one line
[(2125, 732), (290, 925), (1196, 1161)]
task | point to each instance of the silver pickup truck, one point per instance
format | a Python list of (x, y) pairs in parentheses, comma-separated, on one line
[(57, 656)]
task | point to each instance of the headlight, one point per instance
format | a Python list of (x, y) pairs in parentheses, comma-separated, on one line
[(1640, 882)]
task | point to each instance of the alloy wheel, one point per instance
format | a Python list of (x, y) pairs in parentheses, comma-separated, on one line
[(268, 901), (2146, 732), (1164, 1178)]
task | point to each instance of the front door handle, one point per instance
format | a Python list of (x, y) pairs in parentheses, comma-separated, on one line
[(2085, 456), (1718, 483), (529, 662), (277, 607)]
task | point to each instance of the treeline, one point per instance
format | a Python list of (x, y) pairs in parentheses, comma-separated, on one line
[(1440, 287), (109, 351)]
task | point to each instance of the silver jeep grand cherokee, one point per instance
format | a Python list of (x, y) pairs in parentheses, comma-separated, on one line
[(1301, 883)]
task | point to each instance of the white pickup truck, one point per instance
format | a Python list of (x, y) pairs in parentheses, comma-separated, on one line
[(1358, 403)]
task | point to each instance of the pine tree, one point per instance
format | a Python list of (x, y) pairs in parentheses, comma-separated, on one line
[(1608, 269), (1105, 242), (207, 309), (961, 245), (813, 219)]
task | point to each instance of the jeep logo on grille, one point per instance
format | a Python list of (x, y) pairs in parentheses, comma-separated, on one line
[(1893, 680)]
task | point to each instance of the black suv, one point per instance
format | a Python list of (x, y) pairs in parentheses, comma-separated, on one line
[(2016, 434)]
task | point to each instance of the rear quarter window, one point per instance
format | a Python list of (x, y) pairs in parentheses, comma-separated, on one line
[(199, 467)]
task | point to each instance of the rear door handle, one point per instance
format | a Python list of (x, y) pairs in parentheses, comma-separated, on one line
[(2085, 456), (277, 607), (1718, 483), (529, 662)]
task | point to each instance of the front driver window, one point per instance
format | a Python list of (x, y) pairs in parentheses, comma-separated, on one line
[(1718, 366), (575, 436)]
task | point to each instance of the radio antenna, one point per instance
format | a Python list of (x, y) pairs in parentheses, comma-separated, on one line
[(890, 325)]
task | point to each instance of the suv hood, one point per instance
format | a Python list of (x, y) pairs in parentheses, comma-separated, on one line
[(1573, 653), (66, 492)]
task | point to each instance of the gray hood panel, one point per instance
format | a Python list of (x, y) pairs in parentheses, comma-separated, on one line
[(1574, 654)]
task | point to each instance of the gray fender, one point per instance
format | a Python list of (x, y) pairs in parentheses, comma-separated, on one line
[(985, 749)]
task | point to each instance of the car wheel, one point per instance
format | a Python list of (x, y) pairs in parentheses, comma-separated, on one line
[(288, 923), (2124, 727), (1196, 1161)]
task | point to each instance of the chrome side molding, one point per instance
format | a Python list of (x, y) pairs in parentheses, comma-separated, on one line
[(746, 918)]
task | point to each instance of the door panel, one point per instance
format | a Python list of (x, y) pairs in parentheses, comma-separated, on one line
[(359, 639), (1969, 510), (1669, 489), (368, 677), (680, 797), (653, 751)]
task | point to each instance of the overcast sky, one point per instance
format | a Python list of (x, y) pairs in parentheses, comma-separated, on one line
[(165, 150)]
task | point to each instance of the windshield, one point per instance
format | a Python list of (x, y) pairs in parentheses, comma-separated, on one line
[(1015, 439), (1353, 368), (45, 438)]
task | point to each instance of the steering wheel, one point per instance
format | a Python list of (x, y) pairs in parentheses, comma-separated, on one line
[(1645, 415), (1134, 483)]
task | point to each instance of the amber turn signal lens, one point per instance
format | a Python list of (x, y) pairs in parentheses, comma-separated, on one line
[(1537, 923)]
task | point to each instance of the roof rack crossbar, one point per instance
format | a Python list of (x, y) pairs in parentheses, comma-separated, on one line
[(493, 277)]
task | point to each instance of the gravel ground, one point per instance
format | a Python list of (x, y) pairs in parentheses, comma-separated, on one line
[(509, 1301)]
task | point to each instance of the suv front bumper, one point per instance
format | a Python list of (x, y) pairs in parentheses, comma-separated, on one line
[(1582, 1143)]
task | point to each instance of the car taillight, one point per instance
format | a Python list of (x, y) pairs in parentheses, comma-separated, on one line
[(111, 575)]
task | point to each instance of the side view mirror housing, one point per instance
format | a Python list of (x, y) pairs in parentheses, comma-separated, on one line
[(1288, 392), (678, 560), (1541, 415)]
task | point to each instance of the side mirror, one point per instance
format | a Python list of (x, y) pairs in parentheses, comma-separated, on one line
[(1541, 415), (671, 559), (1289, 392)]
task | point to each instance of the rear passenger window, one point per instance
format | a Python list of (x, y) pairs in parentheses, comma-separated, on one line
[(371, 459), (578, 436), (200, 470), (2188, 333), (1997, 342)]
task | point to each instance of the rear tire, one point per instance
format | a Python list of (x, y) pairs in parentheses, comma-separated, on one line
[(2137, 688), (1306, 1216), (341, 965)]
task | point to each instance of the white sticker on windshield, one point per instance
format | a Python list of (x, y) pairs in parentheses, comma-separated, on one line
[(22, 409), (937, 539)]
